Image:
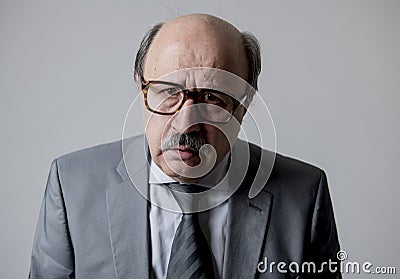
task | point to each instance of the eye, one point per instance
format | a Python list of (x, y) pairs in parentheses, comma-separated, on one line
[(213, 98), (210, 97), (169, 91)]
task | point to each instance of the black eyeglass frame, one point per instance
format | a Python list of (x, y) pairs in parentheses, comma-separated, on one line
[(188, 93)]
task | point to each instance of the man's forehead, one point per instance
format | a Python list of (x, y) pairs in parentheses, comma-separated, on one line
[(166, 58), (198, 28), (198, 43), (201, 21)]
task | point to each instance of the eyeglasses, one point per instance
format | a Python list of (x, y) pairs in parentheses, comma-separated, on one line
[(167, 98)]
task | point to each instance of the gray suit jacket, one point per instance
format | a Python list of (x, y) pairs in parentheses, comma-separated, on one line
[(94, 224)]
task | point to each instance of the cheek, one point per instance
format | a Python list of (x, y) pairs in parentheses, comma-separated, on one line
[(217, 138), (222, 137), (156, 126)]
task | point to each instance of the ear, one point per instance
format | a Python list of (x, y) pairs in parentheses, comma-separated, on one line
[(138, 83), (249, 98), (246, 103), (239, 113)]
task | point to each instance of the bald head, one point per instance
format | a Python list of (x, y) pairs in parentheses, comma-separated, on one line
[(198, 40)]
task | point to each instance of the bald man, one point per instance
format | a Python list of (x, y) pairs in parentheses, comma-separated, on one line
[(175, 202)]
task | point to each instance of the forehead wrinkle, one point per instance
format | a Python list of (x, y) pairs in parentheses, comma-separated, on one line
[(196, 41), (197, 60)]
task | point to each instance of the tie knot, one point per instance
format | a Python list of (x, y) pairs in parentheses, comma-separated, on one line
[(186, 188)]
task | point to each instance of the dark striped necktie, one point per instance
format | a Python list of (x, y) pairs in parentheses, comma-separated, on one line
[(190, 254)]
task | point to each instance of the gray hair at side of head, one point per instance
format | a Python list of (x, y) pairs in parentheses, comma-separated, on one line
[(252, 49), (143, 49), (250, 44)]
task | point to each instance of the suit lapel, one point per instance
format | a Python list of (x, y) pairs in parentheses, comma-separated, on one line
[(128, 219), (246, 228), (247, 225), (128, 214)]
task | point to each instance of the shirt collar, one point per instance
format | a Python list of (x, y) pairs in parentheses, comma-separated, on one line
[(157, 176)]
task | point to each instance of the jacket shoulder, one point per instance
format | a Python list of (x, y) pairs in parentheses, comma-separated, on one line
[(289, 173), (95, 156), (89, 169), (283, 163), (295, 168)]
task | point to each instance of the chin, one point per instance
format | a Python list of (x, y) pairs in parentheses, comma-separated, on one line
[(181, 171)]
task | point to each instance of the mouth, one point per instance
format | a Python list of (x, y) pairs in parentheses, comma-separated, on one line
[(185, 153)]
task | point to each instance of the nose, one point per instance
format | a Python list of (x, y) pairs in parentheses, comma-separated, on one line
[(185, 120)]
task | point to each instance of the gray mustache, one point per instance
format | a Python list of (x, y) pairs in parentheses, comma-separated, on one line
[(191, 140)]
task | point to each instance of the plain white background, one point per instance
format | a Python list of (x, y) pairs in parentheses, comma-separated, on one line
[(331, 79)]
